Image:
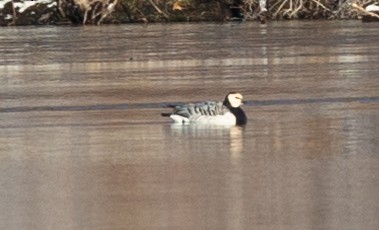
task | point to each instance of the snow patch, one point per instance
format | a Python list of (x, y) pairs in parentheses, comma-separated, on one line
[(2, 3), (8, 16), (52, 4), (372, 8), (23, 5)]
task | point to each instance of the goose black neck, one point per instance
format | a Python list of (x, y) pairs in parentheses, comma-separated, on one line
[(240, 115), (241, 118), (227, 103)]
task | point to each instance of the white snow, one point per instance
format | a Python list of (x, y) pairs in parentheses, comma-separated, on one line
[(372, 8), (52, 4), (8, 16), (22, 6), (2, 3)]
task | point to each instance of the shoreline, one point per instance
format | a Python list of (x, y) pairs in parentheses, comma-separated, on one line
[(97, 12)]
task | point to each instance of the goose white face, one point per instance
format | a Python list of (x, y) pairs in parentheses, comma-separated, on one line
[(235, 99)]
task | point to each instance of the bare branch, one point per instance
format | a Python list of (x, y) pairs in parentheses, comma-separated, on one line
[(157, 9), (322, 6), (365, 11)]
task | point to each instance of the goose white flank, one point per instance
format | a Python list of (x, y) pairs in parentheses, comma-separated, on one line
[(228, 112)]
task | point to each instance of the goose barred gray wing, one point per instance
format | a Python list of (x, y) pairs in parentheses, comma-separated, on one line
[(192, 110)]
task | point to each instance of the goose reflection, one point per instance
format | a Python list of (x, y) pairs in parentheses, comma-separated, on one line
[(214, 134)]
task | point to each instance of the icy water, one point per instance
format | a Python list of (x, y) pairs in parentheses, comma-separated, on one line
[(83, 145)]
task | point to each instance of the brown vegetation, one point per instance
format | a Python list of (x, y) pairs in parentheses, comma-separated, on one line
[(86, 11), (199, 10), (121, 11)]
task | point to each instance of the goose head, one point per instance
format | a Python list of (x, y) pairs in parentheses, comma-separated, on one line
[(233, 100)]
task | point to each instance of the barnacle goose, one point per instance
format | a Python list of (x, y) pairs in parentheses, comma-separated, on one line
[(227, 112)]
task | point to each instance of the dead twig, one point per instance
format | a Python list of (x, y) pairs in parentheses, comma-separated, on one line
[(321, 5), (289, 8), (356, 6), (61, 12), (104, 11), (280, 8), (297, 9), (14, 18), (159, 10), (144, 18), (271, 7)]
